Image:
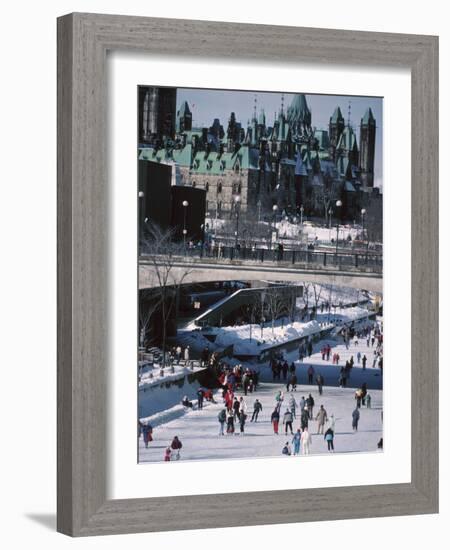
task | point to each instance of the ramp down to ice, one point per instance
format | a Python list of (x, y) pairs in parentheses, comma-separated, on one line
[(214, 315)]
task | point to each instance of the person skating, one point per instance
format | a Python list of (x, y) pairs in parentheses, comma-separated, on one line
[(292, 405), (242, 419), (200, 396), (222, 417), (358, 397), (292, 382), (275, 419), (236, 406), (364, 361), (287, 421), (306, 440), (321, 418), (329, 438), (186, 354), (310, 405), (167, 454), (320, 381), (257, 408), (286, 450), (147, 431), (355, 419), (176, 446), (230, 421), (242, 407), (304, 419), (296, 442), (310, 374), (302, 403), (368, 401)]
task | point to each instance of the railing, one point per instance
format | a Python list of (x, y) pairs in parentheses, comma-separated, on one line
[(365, 262)]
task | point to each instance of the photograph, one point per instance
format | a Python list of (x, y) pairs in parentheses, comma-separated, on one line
[(260, 274)]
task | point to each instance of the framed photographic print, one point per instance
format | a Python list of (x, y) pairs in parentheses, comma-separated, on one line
[(247, 274)]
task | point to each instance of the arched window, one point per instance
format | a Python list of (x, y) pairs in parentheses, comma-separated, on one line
[(219, 188), (207, 186)]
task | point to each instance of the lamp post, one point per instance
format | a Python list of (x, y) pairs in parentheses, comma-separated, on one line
[(237, 199), (141, 213), (338, 205), (301, 215), (363, 213), (185, 205), (274, 210)]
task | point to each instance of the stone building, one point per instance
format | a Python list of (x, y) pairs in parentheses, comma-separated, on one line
[(289, 163)]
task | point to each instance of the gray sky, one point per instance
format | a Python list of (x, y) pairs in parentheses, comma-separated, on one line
[(209, 104)]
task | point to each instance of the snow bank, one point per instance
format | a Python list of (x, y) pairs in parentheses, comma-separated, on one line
[(239, 337)]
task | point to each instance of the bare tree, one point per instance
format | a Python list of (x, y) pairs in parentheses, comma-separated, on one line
[(255, 312), (163, 254), (317, 291), (276, 305), (148, 304)]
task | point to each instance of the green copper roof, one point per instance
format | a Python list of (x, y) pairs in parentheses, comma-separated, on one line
[(368, 117), (299, 110)]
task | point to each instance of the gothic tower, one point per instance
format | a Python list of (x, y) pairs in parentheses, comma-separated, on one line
[(157, 114), (184, 118), (336, 127), (367, 147)]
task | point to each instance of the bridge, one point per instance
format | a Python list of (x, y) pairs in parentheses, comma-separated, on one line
[(363, 271)]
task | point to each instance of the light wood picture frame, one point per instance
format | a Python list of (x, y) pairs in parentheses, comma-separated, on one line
[(83, 42)]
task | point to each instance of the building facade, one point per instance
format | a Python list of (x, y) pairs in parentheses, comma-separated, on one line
[(255, 166)]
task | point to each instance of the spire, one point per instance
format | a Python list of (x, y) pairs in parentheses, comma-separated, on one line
[(368, 117), (282, 104), (255, 106), (299, 112), (262, 118), (349, 112), (337, 116), (184, 109)]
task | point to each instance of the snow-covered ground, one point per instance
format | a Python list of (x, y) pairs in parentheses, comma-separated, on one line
[(283, 331), (198, 430)]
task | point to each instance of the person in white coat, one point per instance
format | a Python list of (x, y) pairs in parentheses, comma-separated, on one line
[(186, 353), (306, 441), (242, 407)]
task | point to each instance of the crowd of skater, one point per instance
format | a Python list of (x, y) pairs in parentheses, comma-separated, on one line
[(291, 415)]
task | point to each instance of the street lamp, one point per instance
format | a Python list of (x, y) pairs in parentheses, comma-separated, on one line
[(363, 213), (185, 205), (258, 204), (141, 211), (301, 215), (274, 210), (338, 205), (237, 199)]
